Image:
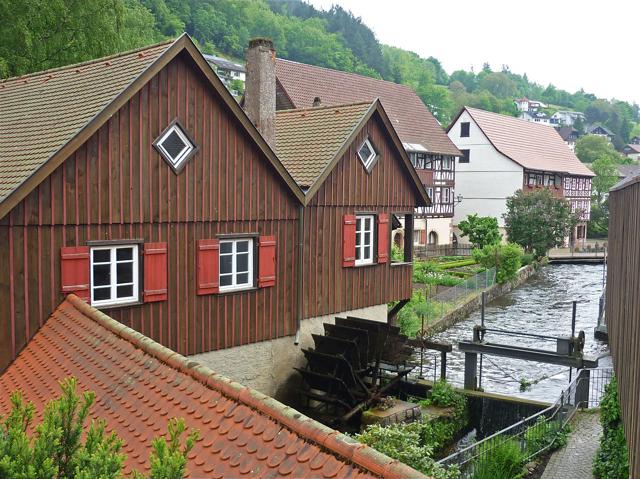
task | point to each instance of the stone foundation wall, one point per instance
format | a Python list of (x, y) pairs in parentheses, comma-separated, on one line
[(268, 365)]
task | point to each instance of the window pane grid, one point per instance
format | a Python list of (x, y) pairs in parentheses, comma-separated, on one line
[(364, 240), (114, 275), (236, 264)]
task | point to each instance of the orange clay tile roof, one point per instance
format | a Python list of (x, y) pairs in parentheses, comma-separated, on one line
[(140, 385), (532, 145), (308, 139), (409, 116), (41, 112)]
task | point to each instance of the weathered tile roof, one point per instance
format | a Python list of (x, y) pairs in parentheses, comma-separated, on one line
[(43, 111), (531, 145), (140, 385), (409, 116), (307, 139)]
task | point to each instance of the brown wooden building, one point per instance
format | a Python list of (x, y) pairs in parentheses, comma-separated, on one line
[(92, 202), (623, 307), (138, 183)]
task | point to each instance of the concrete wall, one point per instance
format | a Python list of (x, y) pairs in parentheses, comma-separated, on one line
[(268, 366), (489, 177)]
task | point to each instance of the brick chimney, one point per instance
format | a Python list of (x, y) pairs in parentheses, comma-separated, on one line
[(260, 87)]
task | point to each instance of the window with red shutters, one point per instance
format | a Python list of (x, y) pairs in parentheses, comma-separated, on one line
[(266, 261), (383, 237), (155, 272), (208, 261), (74, 271), (349, 241)]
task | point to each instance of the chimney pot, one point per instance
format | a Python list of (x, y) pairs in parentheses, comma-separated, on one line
[(260, 87)]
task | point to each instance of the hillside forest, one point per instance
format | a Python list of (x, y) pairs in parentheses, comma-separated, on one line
[(42, 34)]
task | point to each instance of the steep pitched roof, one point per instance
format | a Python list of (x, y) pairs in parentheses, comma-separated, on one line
[(409, 116), (531, 145), (310, 141), (566, 132), (140, 385), (46, 116), (632, 148)]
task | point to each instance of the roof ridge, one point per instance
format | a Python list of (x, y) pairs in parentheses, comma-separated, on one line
[(508, 117), (87, 62), (326, 107), (347, 73), (323, 436)]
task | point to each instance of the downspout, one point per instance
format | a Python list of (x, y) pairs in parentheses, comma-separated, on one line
[(299, 270)]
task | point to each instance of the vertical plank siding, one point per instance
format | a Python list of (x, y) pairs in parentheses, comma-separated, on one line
[(116, 186), (623, 309), (328, 287)]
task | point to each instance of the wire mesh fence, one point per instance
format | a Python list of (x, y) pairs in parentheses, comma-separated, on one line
[(440, 304), (534, 434)]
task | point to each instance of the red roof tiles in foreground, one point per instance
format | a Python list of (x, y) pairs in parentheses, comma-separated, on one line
[(140, 385)]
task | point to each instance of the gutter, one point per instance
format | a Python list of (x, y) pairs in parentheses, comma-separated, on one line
[(300, 252)]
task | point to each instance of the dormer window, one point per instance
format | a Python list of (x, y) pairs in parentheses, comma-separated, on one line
[(367, 154), (175, 146)]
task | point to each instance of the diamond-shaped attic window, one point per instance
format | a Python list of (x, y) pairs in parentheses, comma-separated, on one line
[(175, 146), (367, 154)]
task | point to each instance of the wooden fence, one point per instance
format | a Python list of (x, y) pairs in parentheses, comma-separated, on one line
[(623, 307), (431, 251)]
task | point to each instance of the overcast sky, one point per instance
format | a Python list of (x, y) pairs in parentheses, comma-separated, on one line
[(572, 44)]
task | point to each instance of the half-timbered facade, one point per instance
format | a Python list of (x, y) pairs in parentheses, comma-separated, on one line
[(502, 154), (432, 153)]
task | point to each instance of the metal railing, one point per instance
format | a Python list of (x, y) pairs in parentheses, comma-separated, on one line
[(537, 433)]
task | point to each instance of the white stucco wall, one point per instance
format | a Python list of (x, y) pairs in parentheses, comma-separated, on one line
[(268, 365), (489, 177)]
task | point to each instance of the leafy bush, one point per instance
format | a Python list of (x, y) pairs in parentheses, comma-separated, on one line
[(56, 448), (397, 253), (545, 433), (527, 259), (501, 460), (405, 442), (504, 257), (410, 317), (481, 230), (612, 459), (442, 394)]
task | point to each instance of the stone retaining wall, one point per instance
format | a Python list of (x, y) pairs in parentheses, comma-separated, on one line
[(495, 291)]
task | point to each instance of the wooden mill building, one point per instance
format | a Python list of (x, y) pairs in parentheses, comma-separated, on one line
[(430, 150), (138, 183)]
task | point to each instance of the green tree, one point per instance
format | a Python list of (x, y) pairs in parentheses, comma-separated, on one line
[(56, 448), (606, 176), (481, 230), (589, 148), (538, 221), (41, 34), (505, 258)]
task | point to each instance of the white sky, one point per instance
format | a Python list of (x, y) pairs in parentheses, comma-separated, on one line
[(570, 43)]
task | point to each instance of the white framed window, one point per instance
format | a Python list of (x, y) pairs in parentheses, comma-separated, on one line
[(236, 264), (446, 163), (175, 146), (114, 275), (364, 239), (367, 154)]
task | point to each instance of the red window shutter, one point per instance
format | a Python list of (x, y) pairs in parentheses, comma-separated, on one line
[(74, 271), (155, 272), (383, 237), (423, 236), (208, 259), (266, 261), (349, 241)]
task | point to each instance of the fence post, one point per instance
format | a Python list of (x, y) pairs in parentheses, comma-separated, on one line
[(582, 389)]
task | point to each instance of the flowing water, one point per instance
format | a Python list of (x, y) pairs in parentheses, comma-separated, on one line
[(541, 306)]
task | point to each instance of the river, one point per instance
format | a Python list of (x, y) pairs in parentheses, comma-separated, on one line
[(542, 305)]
